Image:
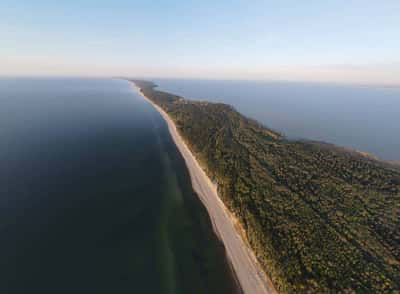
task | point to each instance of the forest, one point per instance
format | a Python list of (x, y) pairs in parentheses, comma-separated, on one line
[(320, 219)]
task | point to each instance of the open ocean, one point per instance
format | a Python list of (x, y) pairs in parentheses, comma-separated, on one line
[(95, 197)]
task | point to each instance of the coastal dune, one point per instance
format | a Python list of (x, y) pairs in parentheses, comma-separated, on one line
[(251, 277)]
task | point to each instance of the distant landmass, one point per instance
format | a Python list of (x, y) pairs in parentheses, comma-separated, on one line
[(319, 218), (363, 118)]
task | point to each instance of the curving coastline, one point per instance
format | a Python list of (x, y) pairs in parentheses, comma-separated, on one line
[(251, 277), (292, 197)]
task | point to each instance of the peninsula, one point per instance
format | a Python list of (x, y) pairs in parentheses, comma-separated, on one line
[(318, 218)]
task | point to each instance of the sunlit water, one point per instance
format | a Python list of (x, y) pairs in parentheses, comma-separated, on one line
[(95, 198), (363, 118)]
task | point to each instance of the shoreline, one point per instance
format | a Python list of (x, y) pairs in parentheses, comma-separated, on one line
[(246, 268)]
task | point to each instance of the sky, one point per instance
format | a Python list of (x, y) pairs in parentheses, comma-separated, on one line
[(313, 40)]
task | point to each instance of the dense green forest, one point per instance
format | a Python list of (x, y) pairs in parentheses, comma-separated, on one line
[(319, 218)]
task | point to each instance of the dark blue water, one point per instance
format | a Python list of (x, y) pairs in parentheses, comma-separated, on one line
[(363, 118), (95, 198)]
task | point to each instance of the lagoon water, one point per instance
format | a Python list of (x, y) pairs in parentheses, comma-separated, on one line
[(363, 118), (94, 196)]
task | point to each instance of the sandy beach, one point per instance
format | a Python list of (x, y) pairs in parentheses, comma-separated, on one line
[(248, 271)]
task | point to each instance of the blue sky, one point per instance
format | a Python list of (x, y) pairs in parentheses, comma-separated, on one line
[(305, 40)]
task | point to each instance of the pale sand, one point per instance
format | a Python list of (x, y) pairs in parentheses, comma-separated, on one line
[(251, 277)]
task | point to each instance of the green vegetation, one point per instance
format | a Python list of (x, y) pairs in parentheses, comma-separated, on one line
[(320, 219)]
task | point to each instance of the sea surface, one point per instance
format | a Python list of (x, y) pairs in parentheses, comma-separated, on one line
[(365, 118), (95, 197)]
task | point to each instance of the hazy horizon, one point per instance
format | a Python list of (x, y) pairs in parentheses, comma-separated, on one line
[(323, 42)]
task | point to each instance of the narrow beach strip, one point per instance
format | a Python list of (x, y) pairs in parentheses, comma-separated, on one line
[(248, 271)]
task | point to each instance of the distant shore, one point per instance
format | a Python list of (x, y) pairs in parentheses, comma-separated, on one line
[(251, 277)]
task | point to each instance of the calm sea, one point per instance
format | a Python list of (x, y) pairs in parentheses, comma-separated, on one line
[(363, 118), (95, 198)]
